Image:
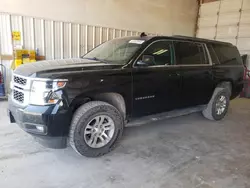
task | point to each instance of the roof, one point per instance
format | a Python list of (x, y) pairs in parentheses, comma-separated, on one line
[(179, 37), (138, 37), (200, 39)]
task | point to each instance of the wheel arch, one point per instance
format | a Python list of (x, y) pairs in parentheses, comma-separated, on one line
[(113, 98), (226, 84)]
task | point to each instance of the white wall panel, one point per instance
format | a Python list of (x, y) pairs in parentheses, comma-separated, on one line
[(244, 31), (117, 33), (245, 17), (5, 34), (233, 22), (48, 39), (17, 25), (28, 33), (209, 9), (230, 40), (75, 41), (98, 36), (66, 40), (134, 33), (246, 5), (8, 73), (82, 39), (244, 44), (207, 21), (129, 33), (207, 32), (54, 39), (104, 34), (227, 31), (39, 36), (229, 19), (162, 16), (123, 32), (230, 6), (111, 33), (91, 37), (57, 39), (245, 52)]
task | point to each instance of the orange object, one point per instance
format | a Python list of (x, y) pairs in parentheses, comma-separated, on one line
[(51, 101), (60, 84)]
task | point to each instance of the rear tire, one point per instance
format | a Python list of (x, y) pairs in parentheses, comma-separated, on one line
[(95, 129), (218, 104)]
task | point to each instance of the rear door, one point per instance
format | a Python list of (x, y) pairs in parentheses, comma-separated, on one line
[(196, 73)]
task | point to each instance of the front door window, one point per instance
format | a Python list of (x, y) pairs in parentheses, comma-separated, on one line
[(157, 54)]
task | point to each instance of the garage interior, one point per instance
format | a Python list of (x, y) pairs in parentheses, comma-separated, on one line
[(186, 151)]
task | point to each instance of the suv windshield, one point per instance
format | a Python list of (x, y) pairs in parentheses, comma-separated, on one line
[(117, 51)]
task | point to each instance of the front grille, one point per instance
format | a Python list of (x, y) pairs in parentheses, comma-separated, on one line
[(19, 80), (18, 96)]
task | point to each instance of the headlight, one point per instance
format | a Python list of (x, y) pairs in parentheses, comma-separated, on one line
[(46, 92)]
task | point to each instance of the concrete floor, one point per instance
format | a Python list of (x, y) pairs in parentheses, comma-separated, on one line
[(183, 152)]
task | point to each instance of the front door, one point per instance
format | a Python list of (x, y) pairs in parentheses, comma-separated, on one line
[(156, 83), (196, 73)]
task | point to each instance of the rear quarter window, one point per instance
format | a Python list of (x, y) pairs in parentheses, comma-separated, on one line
[(227, 54)]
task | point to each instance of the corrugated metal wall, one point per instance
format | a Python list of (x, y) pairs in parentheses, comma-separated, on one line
[(226, 20), (54, 39)]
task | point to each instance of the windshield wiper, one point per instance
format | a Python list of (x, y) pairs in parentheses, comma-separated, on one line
[(96, 59)]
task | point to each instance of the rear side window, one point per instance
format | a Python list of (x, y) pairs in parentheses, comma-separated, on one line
[(188, 53), (227, 54)]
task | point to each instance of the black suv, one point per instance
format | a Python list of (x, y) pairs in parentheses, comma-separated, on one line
[(88, 100)]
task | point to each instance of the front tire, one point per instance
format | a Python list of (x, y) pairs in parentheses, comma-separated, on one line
[(95, 129), (218, 104)]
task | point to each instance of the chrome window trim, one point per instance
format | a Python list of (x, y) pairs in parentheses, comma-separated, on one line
[(208, 55), (215, 54), (172, 40)]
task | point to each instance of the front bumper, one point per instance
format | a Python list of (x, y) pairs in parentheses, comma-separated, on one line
[(49, 124)]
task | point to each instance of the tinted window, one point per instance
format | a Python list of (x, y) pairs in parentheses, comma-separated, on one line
[(188, 53), (213, 55), (159, 53), (226, 54)]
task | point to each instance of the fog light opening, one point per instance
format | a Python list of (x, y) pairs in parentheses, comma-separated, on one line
[(40, 128)]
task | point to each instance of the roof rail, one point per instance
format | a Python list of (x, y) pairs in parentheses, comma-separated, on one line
[(183, 36), (200, 39)]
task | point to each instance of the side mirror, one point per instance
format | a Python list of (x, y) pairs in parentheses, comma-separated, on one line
[(141, 63), (147, 60)]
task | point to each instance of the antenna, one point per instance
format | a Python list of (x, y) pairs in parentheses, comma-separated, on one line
[(143, 34)]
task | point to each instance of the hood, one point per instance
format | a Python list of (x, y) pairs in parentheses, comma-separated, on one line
[(40, 68)]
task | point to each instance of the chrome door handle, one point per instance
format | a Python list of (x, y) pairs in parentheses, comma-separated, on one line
[(174, 74)]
